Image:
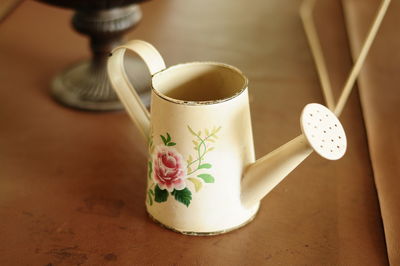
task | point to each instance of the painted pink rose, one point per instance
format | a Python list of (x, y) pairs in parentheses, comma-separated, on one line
[(168, 169)]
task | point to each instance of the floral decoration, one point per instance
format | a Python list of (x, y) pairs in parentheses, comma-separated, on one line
[(168, 174)]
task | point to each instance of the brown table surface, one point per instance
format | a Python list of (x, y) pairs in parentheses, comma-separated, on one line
[(72, 183), (380, 100)]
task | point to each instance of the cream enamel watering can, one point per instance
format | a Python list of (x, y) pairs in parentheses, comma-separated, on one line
[(202, 174)]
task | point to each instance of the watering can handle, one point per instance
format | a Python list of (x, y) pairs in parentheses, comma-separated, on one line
[(121, 84)]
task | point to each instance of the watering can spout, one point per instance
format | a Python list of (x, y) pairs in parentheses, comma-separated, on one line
[(322, 132), (267, 172)]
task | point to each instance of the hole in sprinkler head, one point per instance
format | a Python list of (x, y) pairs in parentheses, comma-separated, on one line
[(321, 146), (332, 140), (338, 146), (310, 114), (323, 140), (335, 125), (331, 150), (340, 137), (326, 115), (315, 126), (324, 131), (330, 127)]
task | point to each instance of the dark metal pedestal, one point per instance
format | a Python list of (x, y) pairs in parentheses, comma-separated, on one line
[(85, 85)]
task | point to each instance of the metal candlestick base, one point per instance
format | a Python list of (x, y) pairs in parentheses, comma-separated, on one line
[(85, 88), (86, 85)]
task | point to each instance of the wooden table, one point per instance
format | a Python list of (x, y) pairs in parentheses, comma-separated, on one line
[(72, 183)]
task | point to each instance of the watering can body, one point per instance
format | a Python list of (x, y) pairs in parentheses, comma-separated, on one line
[(212, 144)]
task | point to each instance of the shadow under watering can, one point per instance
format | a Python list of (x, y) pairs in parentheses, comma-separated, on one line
[(203, 177)]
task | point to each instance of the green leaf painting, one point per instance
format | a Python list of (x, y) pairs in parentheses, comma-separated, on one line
[(205, 165), (167, 140), (150, 196), (160, 195), (150, 169), (207, 178), (183, 196), (164, 139)]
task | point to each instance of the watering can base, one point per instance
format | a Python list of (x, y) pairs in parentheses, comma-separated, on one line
[(241, 224), (194, 233)]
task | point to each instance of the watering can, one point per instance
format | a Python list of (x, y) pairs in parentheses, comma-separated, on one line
[(202, 177)]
